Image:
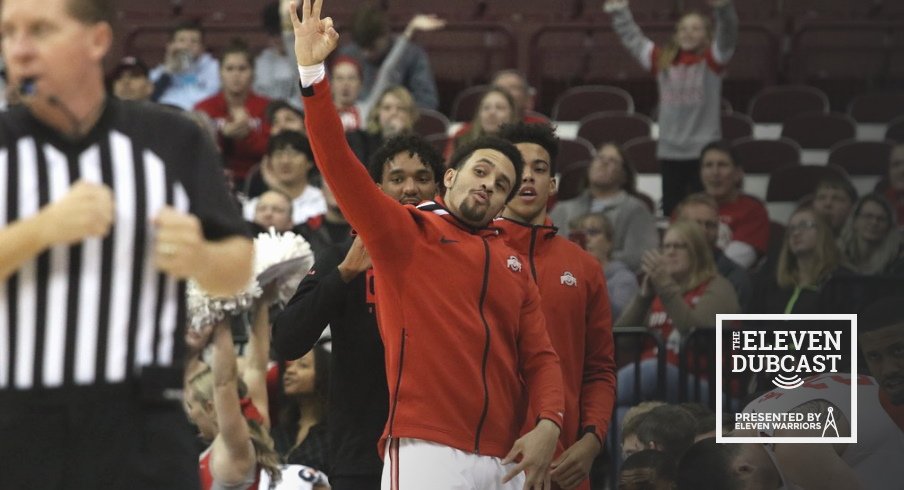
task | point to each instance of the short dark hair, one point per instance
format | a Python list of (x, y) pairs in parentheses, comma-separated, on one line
[(368, 24), (724, 147), (238, 45), (707, 464), (91, 11), (840, 183), (537, 133), (462, 153), (415, 146), (277, 105), (884, 312), (187, 25), (664, 465), (669, 426), (290, 139)]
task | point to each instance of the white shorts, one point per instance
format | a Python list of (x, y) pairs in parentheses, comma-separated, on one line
[(413, 464)]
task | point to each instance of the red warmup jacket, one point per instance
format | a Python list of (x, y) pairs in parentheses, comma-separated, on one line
[(579, 321), (245, 153), (463, 330)]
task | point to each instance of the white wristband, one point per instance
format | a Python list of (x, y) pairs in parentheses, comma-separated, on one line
[(311, 74)]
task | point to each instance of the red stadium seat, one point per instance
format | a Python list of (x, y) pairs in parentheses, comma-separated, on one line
[(573, 180), (736, 126), (778, 104), (819, 131), (619, 127), (792, 182), (765, 156), (895, 131), (576, 150), (578, 102), (641, 154), (877, 108), (431, 122), (861, 157), (465, 104)]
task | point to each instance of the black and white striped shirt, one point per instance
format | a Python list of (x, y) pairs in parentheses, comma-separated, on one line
[(99, 311)]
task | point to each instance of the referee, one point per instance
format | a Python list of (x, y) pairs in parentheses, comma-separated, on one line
[(105, 208)]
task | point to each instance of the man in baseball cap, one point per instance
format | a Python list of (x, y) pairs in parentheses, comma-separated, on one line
[(129, 80)]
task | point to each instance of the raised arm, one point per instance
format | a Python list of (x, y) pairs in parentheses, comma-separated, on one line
[(382, 223), (256, 358), (319, 298), (233, 453), (640, 46)]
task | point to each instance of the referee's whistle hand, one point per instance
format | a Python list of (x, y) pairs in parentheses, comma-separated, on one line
[(178, 250), (86, 211)]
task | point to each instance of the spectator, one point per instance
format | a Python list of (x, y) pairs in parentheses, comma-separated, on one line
[(706, 421), (433, 413), (808, 259), (238, 113), (895, 190), (833, 200), (290, 160), (582, 335), (595, 232), (666, 428), (338, 295), (688, 71), (513, 82), (629, 422), (188, 75), (282, 116), (648, 470), (496, 108), (611, 181), (275, 70), (681, 291), (870, 242), (354, 97), (329, 229), (130, 80), (744, 232), (370, 47), (702, 209), (217, 403), (301, 437), (272, 209), (395, 115), (722, 467)]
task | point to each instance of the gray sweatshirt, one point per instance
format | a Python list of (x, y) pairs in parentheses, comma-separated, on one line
[(690, 91)]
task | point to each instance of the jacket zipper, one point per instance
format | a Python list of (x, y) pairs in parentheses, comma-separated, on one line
[(533, 243), (395, 393), (486, 347)]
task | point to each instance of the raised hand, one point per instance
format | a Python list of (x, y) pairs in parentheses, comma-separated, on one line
[(356, 261), (180, 242), (315, 38), (422, 22)]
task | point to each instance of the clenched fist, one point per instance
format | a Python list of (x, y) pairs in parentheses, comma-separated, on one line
[(86, 211), (180, 242)]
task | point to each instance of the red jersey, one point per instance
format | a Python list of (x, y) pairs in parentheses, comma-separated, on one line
[(240, 155), (660, 321), (576, 306), (461, 321), (748, 221)]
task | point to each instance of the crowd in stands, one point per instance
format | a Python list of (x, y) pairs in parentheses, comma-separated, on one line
[(708, 248)]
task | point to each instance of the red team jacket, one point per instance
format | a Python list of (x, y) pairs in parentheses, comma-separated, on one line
[(576, 305), (461, 321), (243, 154)]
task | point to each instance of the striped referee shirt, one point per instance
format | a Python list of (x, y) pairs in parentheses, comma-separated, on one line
[(97, 312)]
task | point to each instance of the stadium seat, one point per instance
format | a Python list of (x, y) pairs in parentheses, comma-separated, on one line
[(516, 11), (438, 141), (861, 157), (578, 102), (792, 182), (736, 126), (819, 131), (619, 127), (465, 104), (641, 154), (895, 131), (765, 156), (573, 180), (403, 10), (431, 122), (778, 104), (877, 108), (576, 150)]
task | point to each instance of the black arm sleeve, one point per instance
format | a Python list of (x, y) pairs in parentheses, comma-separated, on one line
[(318, 300)]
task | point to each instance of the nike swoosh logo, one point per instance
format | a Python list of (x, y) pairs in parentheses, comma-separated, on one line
[(443, 239)]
